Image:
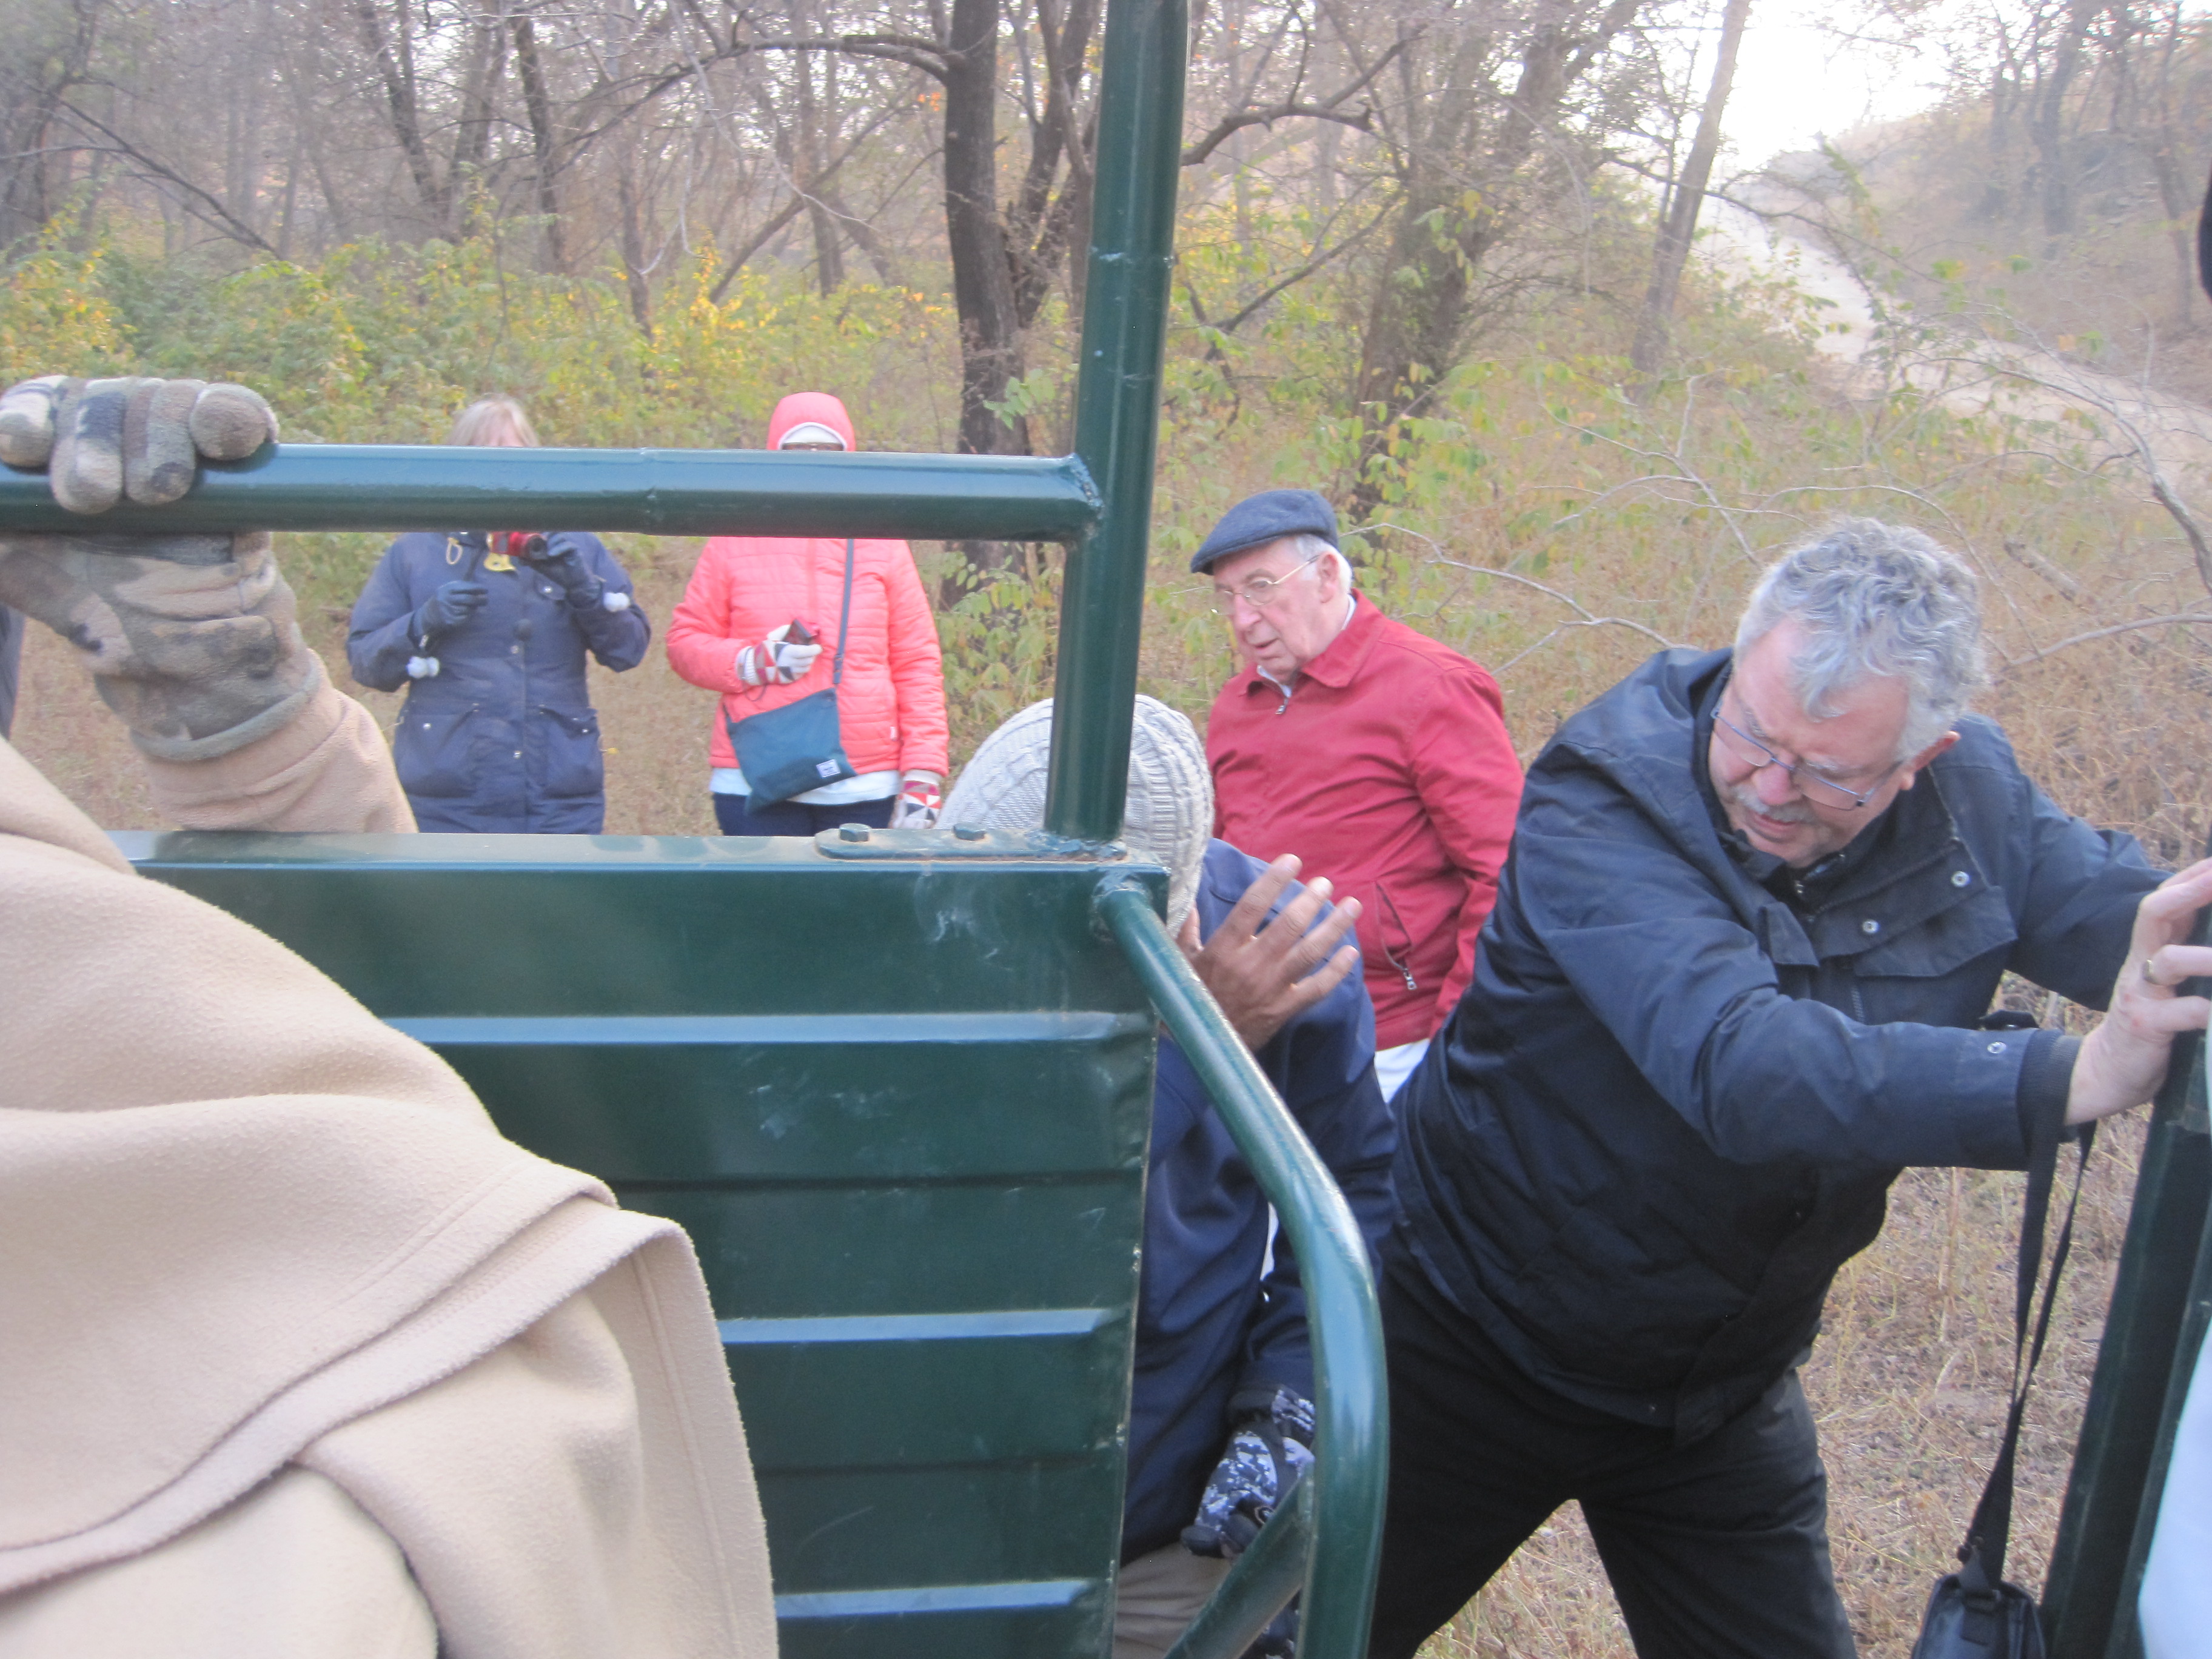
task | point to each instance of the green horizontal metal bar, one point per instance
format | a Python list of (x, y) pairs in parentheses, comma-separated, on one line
[(991, 1325), (933, 1598), (654, 492), (1047, 1025), (1352, 1403), (1263, 1578)]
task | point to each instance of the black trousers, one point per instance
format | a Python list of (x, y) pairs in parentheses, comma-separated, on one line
[(737, 816), (1716, 1549)]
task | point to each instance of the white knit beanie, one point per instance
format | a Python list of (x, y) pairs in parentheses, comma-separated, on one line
[(1170, 811)]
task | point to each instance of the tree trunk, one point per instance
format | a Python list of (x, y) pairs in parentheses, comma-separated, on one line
[(805, 164), (243, 163), (472, 134), (540, 106), (982, 275), (1446, 225), (1045, 228), (1680, 225), (395, 72), (2048, 124), (632, 241)]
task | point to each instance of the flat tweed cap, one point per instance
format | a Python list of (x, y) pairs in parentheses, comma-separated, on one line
[(1170, 811), (1267, 517)]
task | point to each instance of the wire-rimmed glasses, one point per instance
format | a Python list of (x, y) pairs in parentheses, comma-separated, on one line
[(1822, 791), (1260, 593)]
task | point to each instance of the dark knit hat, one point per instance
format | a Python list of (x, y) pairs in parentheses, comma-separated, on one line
[(1267, 517)]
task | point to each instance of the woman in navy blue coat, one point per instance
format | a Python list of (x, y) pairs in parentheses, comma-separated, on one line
[(498, 734)]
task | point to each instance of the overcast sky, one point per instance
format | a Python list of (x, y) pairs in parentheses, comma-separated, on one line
[(1795, 80)]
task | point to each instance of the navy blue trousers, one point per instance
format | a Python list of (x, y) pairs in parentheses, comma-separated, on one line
[(738, 817), (1717, 1550)]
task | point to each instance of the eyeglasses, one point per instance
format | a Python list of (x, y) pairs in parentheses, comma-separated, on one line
[(1814, 787), (1260, 593)]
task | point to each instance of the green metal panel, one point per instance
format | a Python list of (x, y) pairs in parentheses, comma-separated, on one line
[(1117, 404), (2126, 1640), (901, 1105), (2087, 1604), (659, 492), (544, 926)]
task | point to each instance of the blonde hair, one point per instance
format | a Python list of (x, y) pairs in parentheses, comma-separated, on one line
[(480, 422)]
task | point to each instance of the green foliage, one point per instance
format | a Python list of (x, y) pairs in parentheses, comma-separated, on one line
[(1535, 515), (54, 315), (381, 345)]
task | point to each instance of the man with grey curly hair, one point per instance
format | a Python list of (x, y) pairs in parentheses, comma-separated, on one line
[(1739, 975)]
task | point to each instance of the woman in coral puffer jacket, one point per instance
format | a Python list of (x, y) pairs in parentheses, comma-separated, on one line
[(733, 634)]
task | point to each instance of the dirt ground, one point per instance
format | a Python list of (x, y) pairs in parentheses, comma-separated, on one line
[(1908, 1381)]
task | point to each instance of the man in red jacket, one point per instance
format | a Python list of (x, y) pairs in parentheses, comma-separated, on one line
[(1376, 755)]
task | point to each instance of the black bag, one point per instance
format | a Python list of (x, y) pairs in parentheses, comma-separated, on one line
[(1973, 1613), (798, 747)]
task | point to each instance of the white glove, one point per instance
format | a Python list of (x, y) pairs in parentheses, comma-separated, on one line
[(776, 661)]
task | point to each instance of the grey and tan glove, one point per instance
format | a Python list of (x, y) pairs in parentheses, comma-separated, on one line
[(101, 440), (193, 640)]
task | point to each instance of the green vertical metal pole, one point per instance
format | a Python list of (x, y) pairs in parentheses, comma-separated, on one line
[(1351, 1398), (2083, 1592), (1117, 411)]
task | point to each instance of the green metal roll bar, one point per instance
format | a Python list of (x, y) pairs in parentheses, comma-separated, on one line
[(653, 492), (1340, 1509), (1326, 1544)]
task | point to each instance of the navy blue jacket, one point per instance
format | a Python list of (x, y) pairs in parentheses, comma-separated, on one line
[(1207, 1323), (503, 738), (1672, 1102)]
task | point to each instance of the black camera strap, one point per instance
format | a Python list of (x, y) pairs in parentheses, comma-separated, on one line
[(1984, 1553)]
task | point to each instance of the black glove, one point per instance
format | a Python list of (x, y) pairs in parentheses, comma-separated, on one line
[(448, 608), (564, 561), (1270, 1441)]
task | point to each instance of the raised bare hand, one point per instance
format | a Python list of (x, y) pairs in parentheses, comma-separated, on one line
[(1264, 973), (2124, 1061)]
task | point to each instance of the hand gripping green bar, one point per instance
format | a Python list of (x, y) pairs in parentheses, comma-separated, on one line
[(1337, 1519), (654, 492)]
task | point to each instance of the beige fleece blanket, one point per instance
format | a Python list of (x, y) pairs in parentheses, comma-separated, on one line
[(247, 1231)]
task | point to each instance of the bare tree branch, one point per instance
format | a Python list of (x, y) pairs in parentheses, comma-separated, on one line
[(2107, 633), (209, 208), (1298, 276), (1230, 124), (1327, 110)]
